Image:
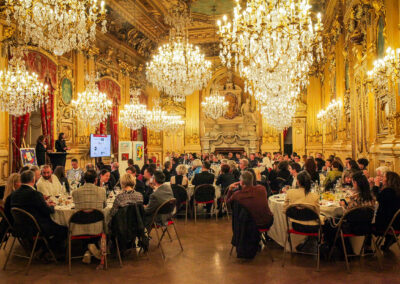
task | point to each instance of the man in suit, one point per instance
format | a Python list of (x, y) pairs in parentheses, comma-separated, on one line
[(205, 177), (89, 195), (32, 201), (115, 171), (162, 192)]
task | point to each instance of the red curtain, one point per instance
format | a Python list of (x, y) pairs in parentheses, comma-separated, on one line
[(113, 91), (134, 135), (19, 129), (144, 134), (46, 70)]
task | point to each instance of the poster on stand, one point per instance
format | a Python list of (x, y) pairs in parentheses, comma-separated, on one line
[(138, 153), (124, 154), (28, 156)]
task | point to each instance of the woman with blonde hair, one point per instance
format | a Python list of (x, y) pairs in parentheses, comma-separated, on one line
[(180, 178), (128, 196), (233, 169), (13, 183)]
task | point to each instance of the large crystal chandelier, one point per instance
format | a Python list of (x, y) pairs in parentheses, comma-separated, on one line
[(57, 25), (272, 44), (279, 112), (215, 106), (92, 106), (20, 91), (133, 115), (174, 123), (156, 119), (179, 68)]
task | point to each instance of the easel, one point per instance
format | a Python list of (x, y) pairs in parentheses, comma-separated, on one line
[(12, 143)]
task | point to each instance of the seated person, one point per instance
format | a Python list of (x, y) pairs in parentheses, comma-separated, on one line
[(32, 201), (167, 171), (333, 176), (361, 193), (115, 171), (89, 195), (180, 178), (139, 185), (226, 178), (162, 192), (128, 196), (75, 174), (294, 169), (48, 184), (205, 177), (105, 180), (303, 195), (59, 172), (13, 183), (389, 203), (254, 199)]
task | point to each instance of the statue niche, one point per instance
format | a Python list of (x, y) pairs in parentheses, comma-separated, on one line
[(238, 128)]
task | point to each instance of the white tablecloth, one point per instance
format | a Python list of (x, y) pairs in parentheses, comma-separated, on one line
[(63, 213), (278, 230)]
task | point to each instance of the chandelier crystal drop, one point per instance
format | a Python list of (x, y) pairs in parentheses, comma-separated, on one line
[(133, 115), (57, 25), (92, 106), (215, 106), (20, 91), (179, 68)]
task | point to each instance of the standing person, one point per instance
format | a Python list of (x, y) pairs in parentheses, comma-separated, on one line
[(41, 150), (59, 172), (61, 147)]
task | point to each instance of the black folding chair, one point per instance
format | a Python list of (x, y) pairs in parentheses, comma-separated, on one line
[(390, 230), (355, 222), (181, 197), (86, 217), (7, 229), (204, 194), (26, 227), (300, 212), (167, 208)]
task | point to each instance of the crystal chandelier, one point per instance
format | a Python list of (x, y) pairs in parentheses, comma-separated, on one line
[(179, 68), (279, 112), (92, 105), (331, 113), (272, 44), (156, 119), (133, 115), (20, 91), (174, 123), (215, 105), (57, 25)]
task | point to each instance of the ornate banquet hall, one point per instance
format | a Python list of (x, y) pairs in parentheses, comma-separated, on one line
[(198, 98)]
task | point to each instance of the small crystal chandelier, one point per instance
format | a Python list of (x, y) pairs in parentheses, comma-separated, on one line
[(215, 105), (20, 91), (57, 25), (156, 119), (279, 112), (133, 115), (92, 105), (174, 123), (179, 68)]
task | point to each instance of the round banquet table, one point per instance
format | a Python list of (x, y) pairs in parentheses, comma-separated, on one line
[(278, 231), (63, 212)]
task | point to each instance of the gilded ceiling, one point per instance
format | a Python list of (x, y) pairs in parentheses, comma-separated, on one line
[(140, 23)]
